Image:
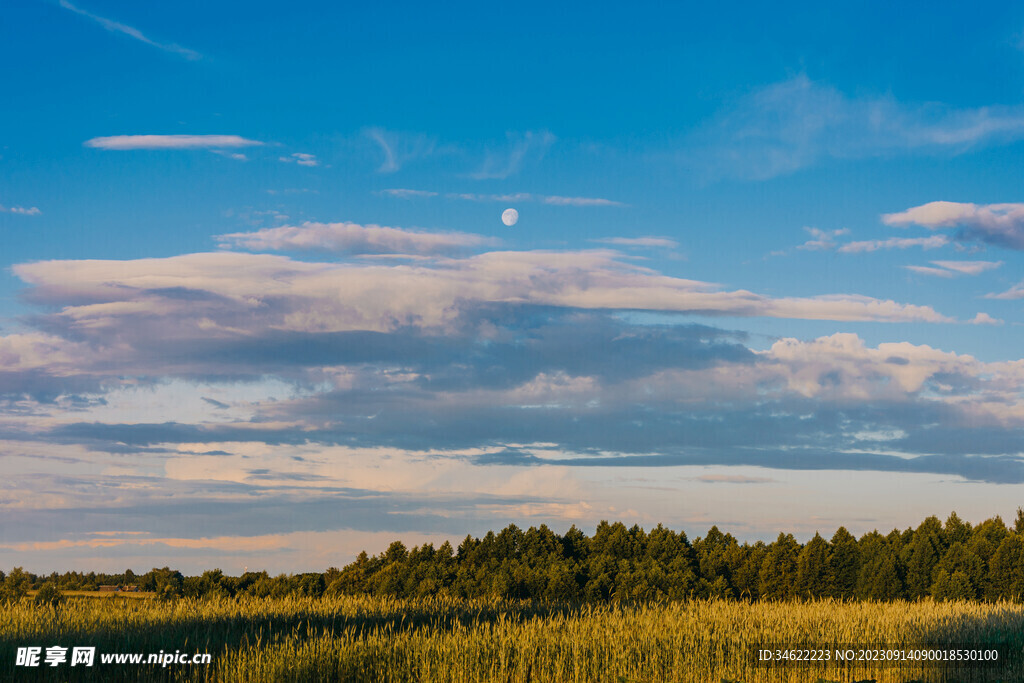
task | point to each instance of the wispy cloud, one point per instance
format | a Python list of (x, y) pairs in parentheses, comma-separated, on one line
[(402, 193), (787, 126), (352, 238), (500, 163), (20, 210), (932, 242), (928, 270), (293, 190), (580, 201), (949, 269), (643, 242), (237, 156), (1015, 292), (130, 142), (507, 197), (300, 158), (400, 148), (732, 479), (116, 27), (823, 239), (997, 224), (553, 200)]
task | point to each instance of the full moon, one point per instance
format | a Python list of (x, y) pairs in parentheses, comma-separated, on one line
[(509, 217)]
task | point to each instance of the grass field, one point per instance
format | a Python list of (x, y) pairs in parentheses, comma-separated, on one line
[(372, 639), (101, 594)]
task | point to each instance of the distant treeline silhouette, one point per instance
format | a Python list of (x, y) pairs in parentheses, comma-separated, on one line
[(944, 561)]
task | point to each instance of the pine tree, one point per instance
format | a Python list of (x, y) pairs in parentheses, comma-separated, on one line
[(1006, 570), (843, 564), (778, 572), (887, 584), (812, 570), (921, 557)]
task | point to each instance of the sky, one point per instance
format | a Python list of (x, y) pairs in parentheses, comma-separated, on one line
[(258, 307)]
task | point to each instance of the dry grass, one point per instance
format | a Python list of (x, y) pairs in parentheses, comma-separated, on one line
[(371, 639)]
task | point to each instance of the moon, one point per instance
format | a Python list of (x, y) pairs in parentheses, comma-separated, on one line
[(509, 217)]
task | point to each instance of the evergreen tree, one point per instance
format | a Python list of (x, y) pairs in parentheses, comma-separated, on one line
[(812, 570), (1006, 570), (778, 571), (886, 582), (843, 564), (747, 571), (921, 557), (956, 530), (958, 560)]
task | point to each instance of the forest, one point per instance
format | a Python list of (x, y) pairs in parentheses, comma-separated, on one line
[(945, 561)]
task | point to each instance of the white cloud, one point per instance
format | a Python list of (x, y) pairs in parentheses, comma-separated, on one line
[(20, 210), (842, 366), (985, 319), (998, 224), (932, 242), (115, 27), (128, 142), (300, 158), (353, 239), (235, 293)]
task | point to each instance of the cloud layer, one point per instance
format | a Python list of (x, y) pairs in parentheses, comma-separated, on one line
[(228, 404)]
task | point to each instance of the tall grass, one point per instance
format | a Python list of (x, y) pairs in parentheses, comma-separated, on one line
[(374, 639)]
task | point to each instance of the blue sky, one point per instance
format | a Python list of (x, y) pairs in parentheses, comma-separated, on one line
[(258, 307)]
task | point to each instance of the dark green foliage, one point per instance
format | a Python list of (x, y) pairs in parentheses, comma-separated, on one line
[(921, 557), (15, 585), (887, 584), (843, 564), (951, 561), (778, 570), (49, 596), (813, 579)]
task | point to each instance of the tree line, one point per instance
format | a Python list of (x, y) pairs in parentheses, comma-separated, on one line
[(944, 561)]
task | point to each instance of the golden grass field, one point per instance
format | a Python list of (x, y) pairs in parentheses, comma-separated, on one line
[(376, 639), (100, 594)]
